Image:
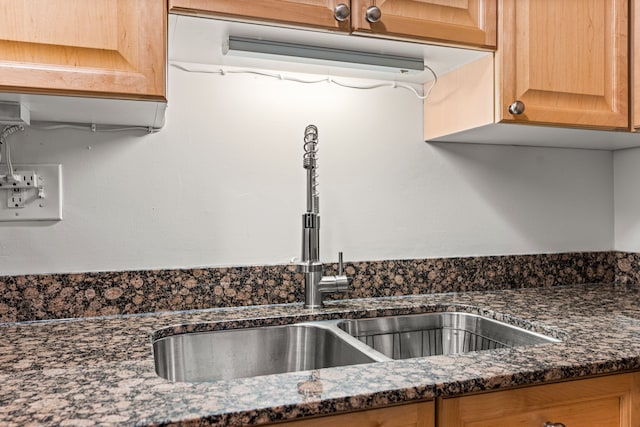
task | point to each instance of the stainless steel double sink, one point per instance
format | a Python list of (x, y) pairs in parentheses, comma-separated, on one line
[(240, 353)]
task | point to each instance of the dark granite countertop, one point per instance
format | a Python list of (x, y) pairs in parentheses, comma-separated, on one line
[(100, 371)]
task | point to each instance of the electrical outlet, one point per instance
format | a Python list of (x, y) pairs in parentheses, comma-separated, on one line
[(20, 179), (34, 193), (15, 198)]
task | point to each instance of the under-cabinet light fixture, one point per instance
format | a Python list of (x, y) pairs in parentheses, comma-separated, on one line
[(268, 49)]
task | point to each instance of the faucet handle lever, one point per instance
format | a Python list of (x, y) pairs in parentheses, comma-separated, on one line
[(331, 284), (341, 278)]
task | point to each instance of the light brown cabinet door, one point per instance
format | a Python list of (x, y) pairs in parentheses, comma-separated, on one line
[(311, 13), (468, 22), (600, 402), (567, 61), (104, 48), (411, 415)]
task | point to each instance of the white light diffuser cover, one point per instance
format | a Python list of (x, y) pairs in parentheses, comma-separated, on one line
[(270, 49)]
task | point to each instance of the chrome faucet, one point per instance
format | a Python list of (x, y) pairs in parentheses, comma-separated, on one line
[(315, 284)]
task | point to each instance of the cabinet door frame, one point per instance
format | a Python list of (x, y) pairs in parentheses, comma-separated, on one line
[(470, 24), (289, 12), (605, 107), (44, 55)]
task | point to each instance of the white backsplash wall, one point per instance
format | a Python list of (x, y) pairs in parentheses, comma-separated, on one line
[(627, 200), (223, 184)]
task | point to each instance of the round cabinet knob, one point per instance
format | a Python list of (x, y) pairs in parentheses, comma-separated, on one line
[(516, 109), (341, 12), (550, 424), (373, 14)]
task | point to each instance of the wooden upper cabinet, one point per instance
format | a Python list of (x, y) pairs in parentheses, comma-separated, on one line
[(101, 48), (463, 22), (567, 61), (311, 13), (468, 22)]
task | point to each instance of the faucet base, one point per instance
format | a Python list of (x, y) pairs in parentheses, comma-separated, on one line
[(312, 294)]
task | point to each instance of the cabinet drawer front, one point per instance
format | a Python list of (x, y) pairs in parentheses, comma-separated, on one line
[(596, 413), (412, 415), (599, 402)]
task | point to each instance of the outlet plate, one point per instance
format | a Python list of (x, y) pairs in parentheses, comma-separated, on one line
[(36, 197)]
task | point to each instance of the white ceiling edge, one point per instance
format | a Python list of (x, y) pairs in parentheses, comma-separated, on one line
[(199, 40)]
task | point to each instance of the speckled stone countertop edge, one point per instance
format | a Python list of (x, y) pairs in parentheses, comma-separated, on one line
[(407, 395)]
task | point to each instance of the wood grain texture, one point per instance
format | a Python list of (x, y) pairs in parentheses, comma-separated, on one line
[(105, 48), (458, 102), (567, 61), (611, 401), (310, 13), (466, 22), (411, 415)]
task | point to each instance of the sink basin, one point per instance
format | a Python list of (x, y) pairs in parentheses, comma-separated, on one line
[(431, 334), (239, 353)]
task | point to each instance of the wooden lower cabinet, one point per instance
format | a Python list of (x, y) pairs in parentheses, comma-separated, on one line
[(411, 415), (611, 401)]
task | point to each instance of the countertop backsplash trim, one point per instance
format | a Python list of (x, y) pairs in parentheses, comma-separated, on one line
[(56, 296), (627, 268)]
